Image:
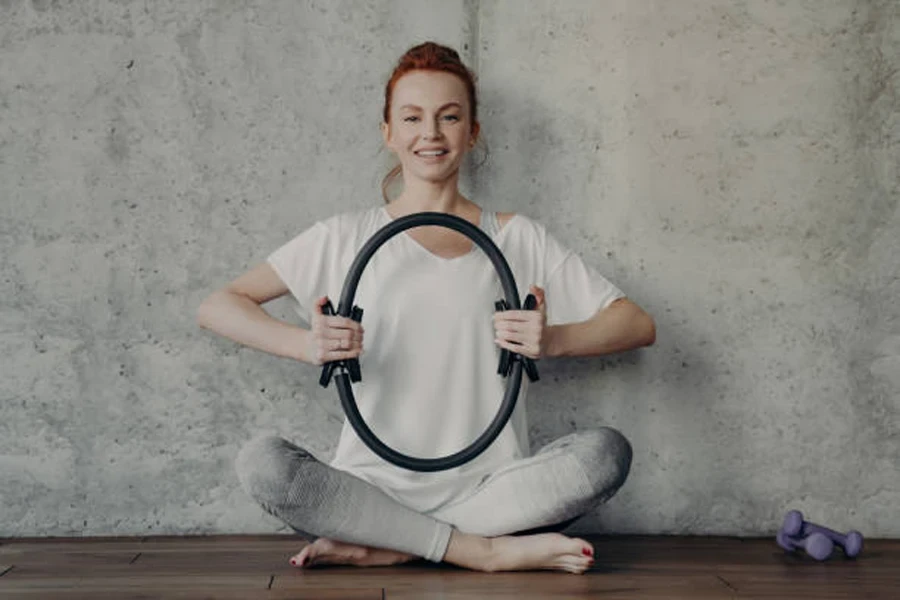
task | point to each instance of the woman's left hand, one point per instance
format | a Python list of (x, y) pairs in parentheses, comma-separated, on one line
[(523, 331)]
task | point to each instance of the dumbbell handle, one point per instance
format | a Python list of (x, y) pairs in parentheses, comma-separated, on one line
[(809, 528)]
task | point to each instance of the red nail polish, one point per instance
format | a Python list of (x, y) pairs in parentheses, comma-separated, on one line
[(587, 552), (294, 562)]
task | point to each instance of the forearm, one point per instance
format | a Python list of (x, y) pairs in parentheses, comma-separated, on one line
[(239, 318), (619, 327)]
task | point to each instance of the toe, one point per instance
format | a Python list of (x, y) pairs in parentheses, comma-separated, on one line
[(300, 559), (584, 547), (575, 564)]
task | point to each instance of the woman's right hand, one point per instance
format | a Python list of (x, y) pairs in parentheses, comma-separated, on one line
[(333, 337)]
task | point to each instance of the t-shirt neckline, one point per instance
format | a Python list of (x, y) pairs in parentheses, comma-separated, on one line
[(387, 218)]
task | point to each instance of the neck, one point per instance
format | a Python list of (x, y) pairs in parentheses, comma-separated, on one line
[(428, 196)]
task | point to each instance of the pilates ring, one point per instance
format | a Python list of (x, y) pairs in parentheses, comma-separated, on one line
[(347, 371)]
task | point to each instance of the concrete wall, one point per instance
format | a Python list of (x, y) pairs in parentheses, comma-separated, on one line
[(732, 165)]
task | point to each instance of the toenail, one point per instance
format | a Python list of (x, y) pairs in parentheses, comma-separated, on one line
[(294, 562), (587, 552)]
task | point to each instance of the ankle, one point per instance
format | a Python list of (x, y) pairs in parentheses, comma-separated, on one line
[(491, 555), (471, 551)]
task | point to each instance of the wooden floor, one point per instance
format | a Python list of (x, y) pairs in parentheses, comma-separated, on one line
[(249, 567)]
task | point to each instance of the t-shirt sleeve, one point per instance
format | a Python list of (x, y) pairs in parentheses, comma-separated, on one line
[(304, 265), (574, 290)]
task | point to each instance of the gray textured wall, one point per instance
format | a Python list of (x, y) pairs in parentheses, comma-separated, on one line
[(733, 165)]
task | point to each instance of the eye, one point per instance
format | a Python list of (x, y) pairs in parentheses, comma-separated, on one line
[(452, 118), (410, 119)]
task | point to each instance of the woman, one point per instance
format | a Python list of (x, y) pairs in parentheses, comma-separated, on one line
[(430, 384)]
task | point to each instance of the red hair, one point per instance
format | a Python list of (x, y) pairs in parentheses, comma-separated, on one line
[(428, 56)]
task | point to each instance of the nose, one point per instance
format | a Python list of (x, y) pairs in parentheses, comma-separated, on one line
[(432, 130)]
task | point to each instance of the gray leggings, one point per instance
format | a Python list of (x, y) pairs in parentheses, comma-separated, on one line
[(548, 490)]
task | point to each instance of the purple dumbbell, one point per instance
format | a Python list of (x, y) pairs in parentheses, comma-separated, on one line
[(817, 545), (795, 526)]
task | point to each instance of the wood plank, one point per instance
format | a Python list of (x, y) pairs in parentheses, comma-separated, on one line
[(427, 581), (256, 567), (217, 594), (540, 586)]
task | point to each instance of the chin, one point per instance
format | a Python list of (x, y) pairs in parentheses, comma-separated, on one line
[(435, 176)]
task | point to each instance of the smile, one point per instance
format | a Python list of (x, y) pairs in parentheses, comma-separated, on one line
[(430, 153)]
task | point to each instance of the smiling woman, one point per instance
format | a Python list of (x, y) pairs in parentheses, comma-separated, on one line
[(442, 63), (431, 385)]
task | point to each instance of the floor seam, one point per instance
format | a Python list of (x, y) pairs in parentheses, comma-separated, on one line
[(725, 581)]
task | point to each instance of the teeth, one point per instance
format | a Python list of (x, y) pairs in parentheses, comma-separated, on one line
[(431, 152)]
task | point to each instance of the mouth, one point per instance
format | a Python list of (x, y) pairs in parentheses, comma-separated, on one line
[(432, 153)]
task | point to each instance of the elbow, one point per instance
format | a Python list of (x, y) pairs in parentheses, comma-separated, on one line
[(650, 338), (647, 327), (206, 311), (203, 314)]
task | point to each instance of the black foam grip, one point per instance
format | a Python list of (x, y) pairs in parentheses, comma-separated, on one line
[(327, 368), (527, 363), (505, 364), (352, 364)]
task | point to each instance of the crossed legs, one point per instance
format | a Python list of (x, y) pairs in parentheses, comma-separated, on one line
[(357, 523)]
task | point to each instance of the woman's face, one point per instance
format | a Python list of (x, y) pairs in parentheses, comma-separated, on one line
[(430, 129)]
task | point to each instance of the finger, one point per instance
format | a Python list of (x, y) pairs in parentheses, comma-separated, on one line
[(319, 305), (517, 338), (342, 323), (531, 328), (514, 315), (523, 349), (509, 327), (316, 313), (508, 344), (334, 356), (538, 295), (324, 355), (342, 334), (523, 339), (343, 354), (342, 344)]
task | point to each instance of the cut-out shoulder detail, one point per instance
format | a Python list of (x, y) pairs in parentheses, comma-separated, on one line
[(504, 217)]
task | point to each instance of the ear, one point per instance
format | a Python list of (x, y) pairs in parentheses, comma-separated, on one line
[(386, 133), (476, 129)]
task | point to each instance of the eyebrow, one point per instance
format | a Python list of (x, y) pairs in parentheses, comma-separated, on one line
[(444, 107)]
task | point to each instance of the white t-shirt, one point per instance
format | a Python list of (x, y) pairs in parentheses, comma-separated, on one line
[(429, 365)]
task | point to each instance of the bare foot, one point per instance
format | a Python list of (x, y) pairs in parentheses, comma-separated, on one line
[(544, 551), (326, 551)]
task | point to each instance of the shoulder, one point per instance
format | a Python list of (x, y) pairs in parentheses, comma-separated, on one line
[(520, 225), (338, 232), (524, 233), (352, 223)]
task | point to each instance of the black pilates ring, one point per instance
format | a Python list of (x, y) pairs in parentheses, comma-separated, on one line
[(511, 364)]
